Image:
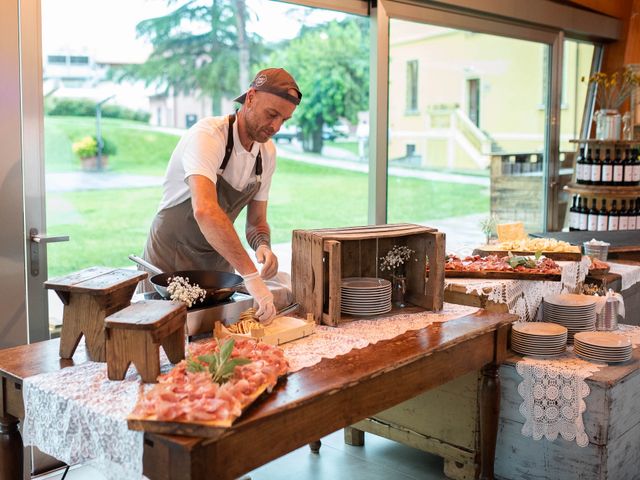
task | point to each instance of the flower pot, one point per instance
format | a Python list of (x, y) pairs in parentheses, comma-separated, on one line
[(608, 124), (90, 164)]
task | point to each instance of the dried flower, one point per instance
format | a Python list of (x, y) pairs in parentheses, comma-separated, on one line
[(182, 291), (613, 89), (395, 257)]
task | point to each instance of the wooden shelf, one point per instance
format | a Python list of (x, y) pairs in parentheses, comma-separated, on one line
[(593, 141), (603, 191)]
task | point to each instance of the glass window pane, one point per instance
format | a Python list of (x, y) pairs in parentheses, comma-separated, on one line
[(578, 58), (474, 148)]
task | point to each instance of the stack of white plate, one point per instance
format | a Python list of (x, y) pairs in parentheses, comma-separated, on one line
[(542, 339), (576, 312), (365, 296), (602, 346)]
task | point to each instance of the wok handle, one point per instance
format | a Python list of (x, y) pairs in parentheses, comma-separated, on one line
[(143, 263)]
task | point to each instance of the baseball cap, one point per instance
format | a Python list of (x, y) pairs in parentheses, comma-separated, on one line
[(276, 81)]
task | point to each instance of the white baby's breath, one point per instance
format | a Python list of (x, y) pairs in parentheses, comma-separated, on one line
[(395, 257), (182, 291)]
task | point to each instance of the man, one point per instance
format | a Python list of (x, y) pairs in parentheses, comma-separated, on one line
[(221, 165)]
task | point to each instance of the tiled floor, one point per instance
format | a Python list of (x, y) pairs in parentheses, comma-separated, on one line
[(379, 459)]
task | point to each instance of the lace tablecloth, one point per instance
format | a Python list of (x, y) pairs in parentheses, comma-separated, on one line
[(77, 415), (524, 296), (630, 273), (553, 393)]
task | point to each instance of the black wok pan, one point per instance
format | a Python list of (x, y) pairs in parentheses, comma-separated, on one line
[(218, 285)]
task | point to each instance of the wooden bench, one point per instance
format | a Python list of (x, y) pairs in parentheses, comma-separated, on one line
[(89, 296), (134, 335)]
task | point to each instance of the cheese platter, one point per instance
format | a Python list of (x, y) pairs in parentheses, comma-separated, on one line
[(549, 247)]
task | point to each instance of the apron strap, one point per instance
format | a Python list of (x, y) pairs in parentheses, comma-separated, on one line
[(229, 148)]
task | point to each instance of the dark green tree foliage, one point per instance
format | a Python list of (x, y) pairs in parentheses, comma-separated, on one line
[(195, 47), (331, 65)]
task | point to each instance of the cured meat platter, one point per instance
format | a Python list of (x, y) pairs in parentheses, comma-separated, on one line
[(205, 393), (502, 267), (503, 275)]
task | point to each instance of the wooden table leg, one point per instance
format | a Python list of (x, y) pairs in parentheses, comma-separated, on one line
[(11, 450), (315, 446), (353, 437), (489, 416)]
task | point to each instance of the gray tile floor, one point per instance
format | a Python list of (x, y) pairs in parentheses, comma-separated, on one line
[(379, 459)]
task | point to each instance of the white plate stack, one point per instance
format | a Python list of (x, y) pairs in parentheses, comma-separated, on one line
[(576, 312), (365, 296), (541, 339), (607, 347)]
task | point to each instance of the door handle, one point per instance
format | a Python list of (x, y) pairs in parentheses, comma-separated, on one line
[(35, 239)]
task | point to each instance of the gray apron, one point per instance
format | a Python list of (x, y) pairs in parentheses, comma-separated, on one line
[(175, 241)]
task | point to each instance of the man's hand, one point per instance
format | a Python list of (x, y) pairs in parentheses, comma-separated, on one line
[(269, 262), (262, 296)]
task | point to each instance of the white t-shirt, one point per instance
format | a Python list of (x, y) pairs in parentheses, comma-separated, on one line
[(200, 152)]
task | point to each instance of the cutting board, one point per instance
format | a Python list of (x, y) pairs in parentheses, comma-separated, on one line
[(203, 428), (281, 330), (542, 277), (566, 256)]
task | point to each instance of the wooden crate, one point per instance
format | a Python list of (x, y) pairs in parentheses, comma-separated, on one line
[(322, 257)]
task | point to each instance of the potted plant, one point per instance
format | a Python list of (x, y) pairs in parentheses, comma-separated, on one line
[(87, 150)]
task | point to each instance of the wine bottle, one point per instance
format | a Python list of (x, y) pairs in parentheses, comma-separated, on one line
[(636, 170), (584, 214), (588, 165), (614, 216), (592, 221), (618, 171), (603, 217), (607, 169), (627, 167), (633, 215), (580, 167), (596, 169), (623, 219), (574, 221)]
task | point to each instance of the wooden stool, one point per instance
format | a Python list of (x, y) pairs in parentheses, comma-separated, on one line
[(135, 334), (89, 296)]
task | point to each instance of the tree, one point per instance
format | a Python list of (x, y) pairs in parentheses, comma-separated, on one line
[(331, 65), (201, 45)]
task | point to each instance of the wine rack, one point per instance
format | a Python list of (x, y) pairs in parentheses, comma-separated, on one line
[(605, 186)]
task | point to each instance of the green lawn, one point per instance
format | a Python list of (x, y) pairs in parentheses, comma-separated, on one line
[(141, 150), (105, 226)]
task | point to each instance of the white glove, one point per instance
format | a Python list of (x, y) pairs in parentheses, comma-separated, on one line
[(262, 296), (269, 261)]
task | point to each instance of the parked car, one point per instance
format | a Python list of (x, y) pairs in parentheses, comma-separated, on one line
[(286, 134)]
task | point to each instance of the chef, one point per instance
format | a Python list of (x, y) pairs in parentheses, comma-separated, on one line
[(220, 166)]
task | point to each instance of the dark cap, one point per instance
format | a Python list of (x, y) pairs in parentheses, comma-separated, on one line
[(276, 81)]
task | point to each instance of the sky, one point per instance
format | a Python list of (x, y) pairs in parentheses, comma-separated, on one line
[(106, 29)]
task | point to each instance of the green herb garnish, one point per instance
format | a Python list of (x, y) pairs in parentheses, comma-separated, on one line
[(219, 364)]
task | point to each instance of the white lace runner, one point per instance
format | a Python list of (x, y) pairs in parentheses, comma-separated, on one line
[(523, 297), (553, 393), (329, 342), (630, 273), (78, 416)]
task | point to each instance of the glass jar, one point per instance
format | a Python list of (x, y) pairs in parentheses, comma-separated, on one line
[(608, 124), (399, 289)]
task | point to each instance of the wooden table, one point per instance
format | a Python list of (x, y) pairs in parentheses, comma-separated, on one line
[(308, 405)]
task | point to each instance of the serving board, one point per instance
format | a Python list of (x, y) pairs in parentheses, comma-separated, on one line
[(202, 428), (503, 275), (490, 250), (281, 330)]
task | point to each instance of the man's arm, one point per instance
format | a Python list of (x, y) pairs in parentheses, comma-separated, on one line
[(259, 237), (216, 226)]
